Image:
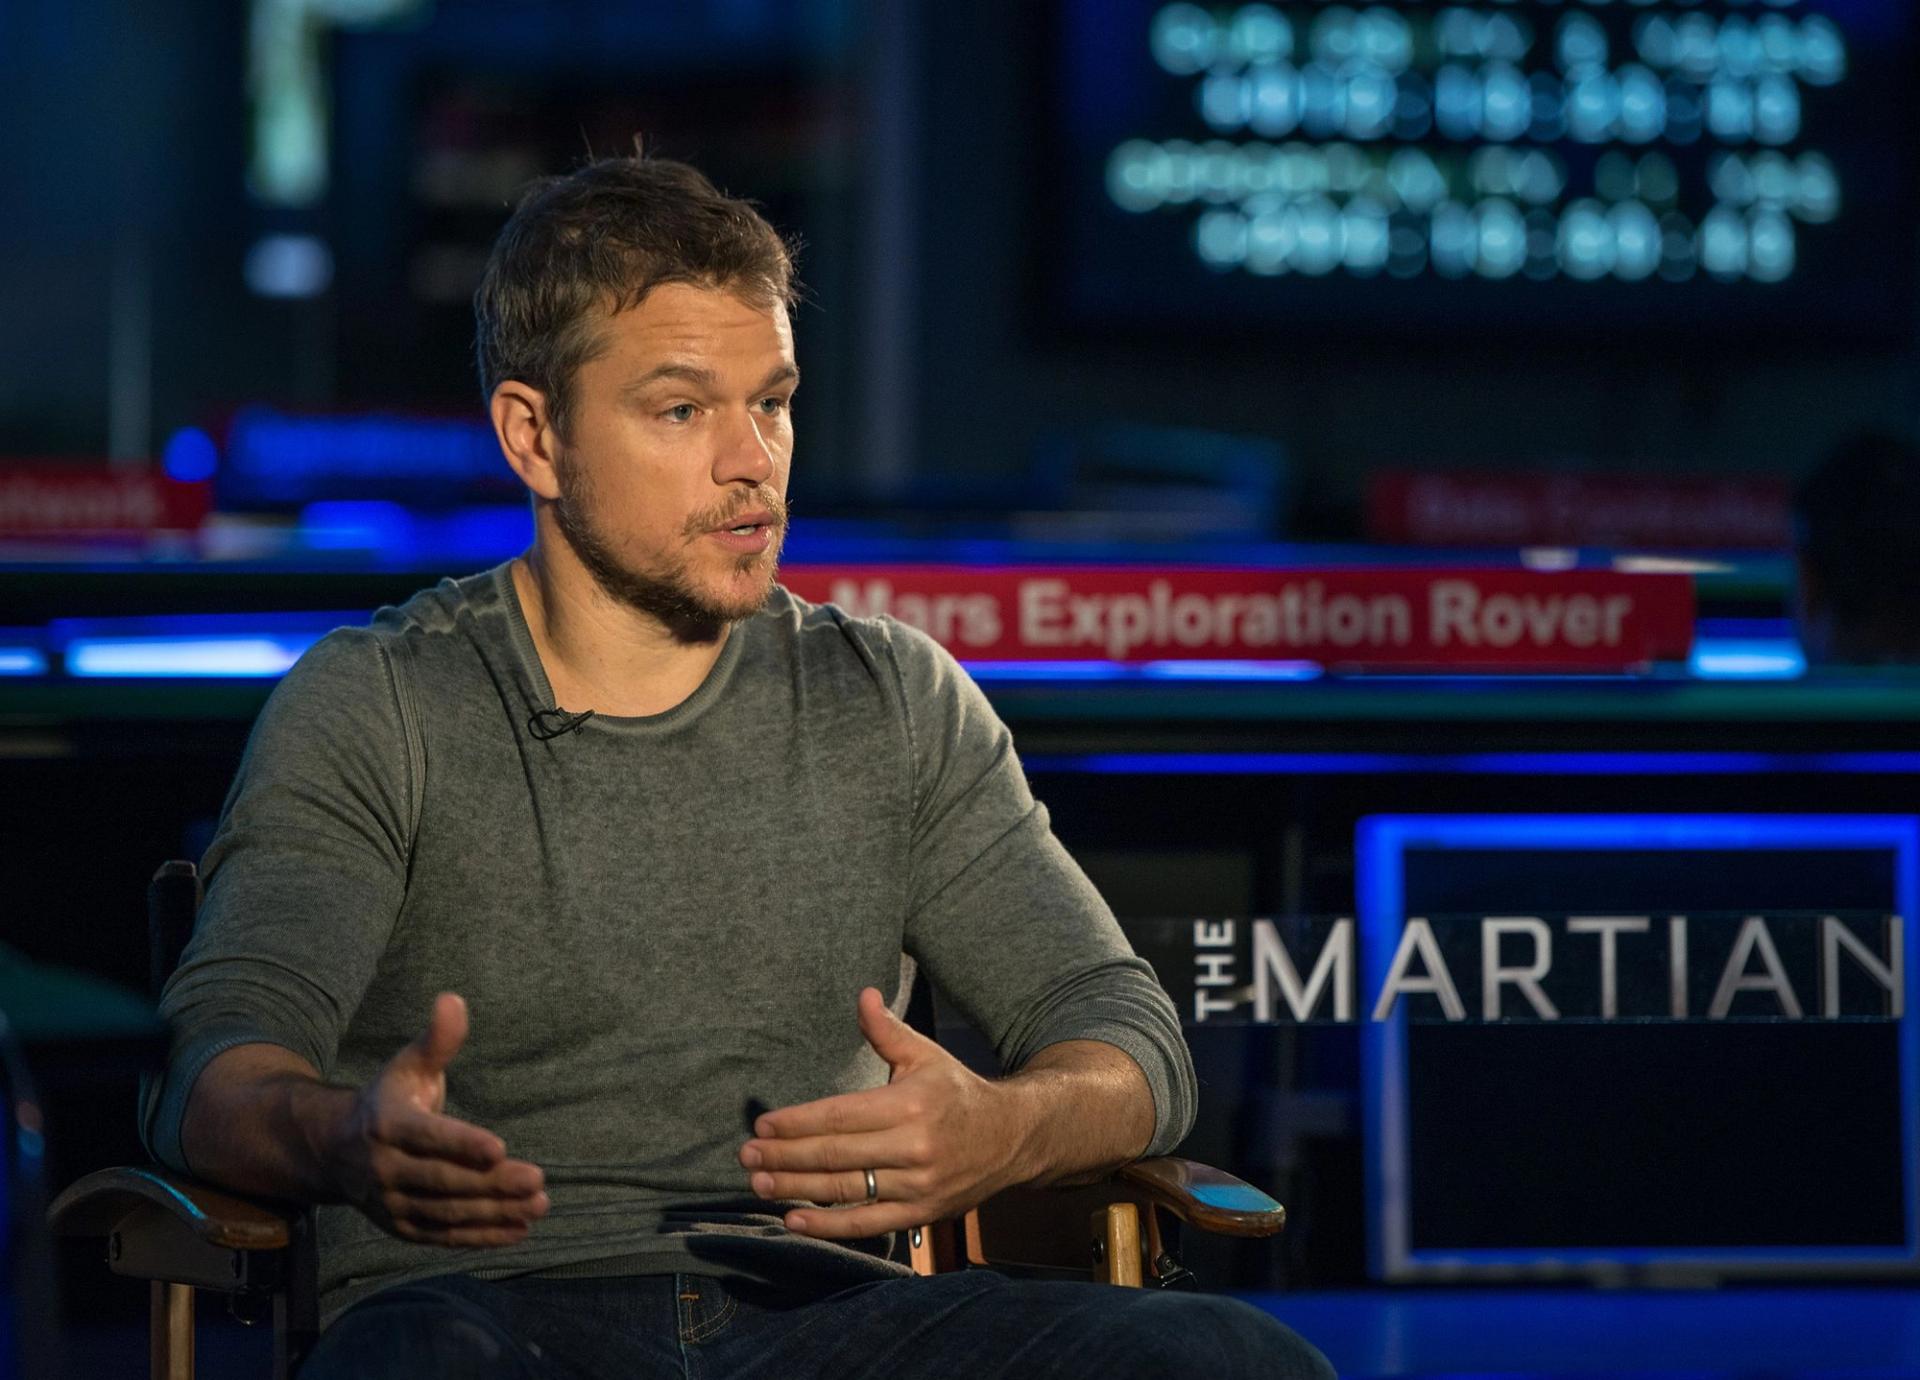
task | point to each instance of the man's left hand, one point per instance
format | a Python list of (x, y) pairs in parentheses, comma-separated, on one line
[(939, 1138)]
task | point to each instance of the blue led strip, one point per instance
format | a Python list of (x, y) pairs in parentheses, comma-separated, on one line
[(22, 652), (1381, 844), (191, 646)]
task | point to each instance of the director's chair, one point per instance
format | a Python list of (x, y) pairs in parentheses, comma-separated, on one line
[(181, 1236)]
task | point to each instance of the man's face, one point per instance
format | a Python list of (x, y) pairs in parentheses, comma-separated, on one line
[(680, 434)]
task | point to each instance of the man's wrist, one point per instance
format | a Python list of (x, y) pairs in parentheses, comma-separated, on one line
[(1024, 1103), (320, 1115), (1081, 1108)]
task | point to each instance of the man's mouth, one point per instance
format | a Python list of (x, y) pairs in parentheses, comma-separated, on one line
[(747, 534), (746, 524)]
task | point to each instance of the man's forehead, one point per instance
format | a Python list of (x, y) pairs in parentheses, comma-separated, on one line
[(689, 321)]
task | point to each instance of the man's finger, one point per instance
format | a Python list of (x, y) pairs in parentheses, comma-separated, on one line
[(874, 1109), (892, 1038), (448, 1213), (446, 1031), (422, 1174), (838, 1186), (866, 1150), (444, 1137), (840, 1224)]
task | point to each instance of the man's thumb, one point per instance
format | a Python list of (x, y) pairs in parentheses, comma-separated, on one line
[(892, 1038), (446, 1031)]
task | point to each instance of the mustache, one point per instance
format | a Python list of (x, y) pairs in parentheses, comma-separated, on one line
[(725, 515)]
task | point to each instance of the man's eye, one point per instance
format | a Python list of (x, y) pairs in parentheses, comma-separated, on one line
[(680, 412), (774, 406)]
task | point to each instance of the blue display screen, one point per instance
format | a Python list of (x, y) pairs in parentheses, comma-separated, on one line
[(1655, 1134), (1693, 166)]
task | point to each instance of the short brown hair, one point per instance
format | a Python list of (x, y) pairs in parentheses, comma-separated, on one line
[(598, 240)]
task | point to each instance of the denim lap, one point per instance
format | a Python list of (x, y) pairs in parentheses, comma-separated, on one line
[(699, 1328)]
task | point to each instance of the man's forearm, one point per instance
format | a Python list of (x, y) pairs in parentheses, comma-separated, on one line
[(1085, 1108), (258, 1121)]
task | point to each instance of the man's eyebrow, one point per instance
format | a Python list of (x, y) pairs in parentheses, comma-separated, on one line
[(706, 378), (673, 369)]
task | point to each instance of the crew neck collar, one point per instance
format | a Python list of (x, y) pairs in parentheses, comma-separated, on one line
[(684, 712)]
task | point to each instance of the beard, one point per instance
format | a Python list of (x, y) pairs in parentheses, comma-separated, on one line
[(670, 594)]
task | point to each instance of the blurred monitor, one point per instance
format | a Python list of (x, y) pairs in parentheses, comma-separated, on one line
[(1614, 169), (1755, 1133)]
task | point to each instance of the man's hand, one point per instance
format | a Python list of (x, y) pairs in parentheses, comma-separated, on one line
[(422, 1175), (939, 1138)]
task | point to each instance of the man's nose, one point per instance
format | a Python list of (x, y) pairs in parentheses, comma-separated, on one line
[(745, 452)]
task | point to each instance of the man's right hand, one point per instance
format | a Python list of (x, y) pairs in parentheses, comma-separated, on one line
[(420, 1174)]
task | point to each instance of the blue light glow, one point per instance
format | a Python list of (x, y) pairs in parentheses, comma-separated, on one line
[(289, 266), (1231, 670), (362, 525), (1381, 844), (1750, 658), (275, 457), (191, 646), (22, 661), (191, 456), (176, 657)]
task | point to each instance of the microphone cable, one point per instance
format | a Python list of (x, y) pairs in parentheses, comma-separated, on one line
[(548, 724)]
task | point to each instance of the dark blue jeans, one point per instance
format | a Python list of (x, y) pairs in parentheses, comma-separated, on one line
[(973, 1322)]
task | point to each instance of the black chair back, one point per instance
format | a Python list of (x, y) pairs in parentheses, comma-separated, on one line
[(173, 898)]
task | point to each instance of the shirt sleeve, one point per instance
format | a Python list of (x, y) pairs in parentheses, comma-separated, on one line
[(1006, 924), (304, 878)]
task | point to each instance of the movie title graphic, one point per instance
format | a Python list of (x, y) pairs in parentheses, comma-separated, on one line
[(1845, 965)]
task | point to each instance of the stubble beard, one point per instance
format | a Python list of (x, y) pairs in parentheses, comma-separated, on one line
[(669, 595)]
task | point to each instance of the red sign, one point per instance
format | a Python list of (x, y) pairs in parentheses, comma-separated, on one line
[(1468, 509), (43, 500), (1400, 619)]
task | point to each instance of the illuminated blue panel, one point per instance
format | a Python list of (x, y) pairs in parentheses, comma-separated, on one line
[(22, 661), (1381, 844), (399, 536), (1747, 659), (279, 458), (178, 657), (358, 525), (191, 646)]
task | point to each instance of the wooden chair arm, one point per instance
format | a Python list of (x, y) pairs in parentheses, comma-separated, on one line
[(99, 1204), (1203, 1197), (1053, 1228), (162, 1227)]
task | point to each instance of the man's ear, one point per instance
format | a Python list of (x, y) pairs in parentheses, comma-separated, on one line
[(526, 435)]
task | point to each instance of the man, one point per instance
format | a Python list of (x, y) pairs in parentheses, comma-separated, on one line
[(652, 850)]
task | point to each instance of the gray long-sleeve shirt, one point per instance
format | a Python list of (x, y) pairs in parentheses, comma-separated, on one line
[(660, 924)]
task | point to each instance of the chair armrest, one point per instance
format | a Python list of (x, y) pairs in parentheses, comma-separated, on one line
[(1048, 1228), (160, 1226), (1204, 1197), (99, 1203)]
